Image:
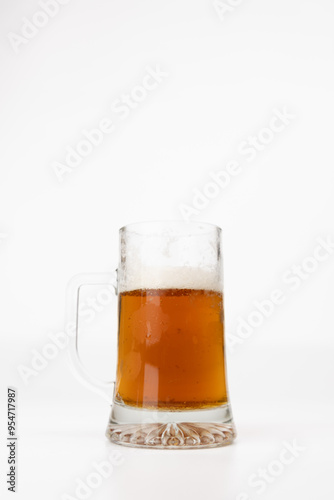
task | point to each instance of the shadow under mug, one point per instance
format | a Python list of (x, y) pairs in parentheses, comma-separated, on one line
[(171, 387)]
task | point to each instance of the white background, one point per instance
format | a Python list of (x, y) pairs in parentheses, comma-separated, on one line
[(226, 75)]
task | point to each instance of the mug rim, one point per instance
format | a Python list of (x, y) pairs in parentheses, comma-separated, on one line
[(192, 227)]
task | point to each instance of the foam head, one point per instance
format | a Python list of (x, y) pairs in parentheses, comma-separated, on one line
[(174, 255)]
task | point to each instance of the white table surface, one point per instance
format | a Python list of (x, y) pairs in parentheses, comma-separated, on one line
[(55, 452)]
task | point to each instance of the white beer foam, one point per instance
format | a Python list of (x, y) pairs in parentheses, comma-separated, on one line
[(171, 277)]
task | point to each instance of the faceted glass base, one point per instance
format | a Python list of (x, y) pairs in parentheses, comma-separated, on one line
[(171, 429)]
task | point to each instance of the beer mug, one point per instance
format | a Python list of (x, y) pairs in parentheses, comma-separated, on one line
[(171, 386)]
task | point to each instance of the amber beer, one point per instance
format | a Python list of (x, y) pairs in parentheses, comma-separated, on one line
[(171, 349)]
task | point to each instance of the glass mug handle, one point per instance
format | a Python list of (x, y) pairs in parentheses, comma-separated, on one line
[(100, 387)]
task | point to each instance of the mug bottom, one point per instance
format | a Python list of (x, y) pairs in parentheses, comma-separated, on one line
[(162, 429)]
